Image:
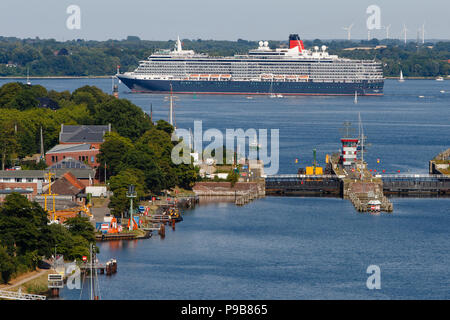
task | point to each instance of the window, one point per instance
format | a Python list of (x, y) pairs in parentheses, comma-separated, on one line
[(92, 159)]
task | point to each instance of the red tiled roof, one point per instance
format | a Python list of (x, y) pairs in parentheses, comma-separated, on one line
[(74, 181)]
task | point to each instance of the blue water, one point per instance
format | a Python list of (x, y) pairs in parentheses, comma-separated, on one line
[(299, 248)]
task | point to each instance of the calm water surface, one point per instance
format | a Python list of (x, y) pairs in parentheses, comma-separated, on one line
[(298, 248)]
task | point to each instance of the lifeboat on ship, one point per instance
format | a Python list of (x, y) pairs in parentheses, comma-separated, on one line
[(278, 77), (266, 77)]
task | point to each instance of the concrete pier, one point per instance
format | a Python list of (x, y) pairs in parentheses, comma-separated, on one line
[(243, 192)]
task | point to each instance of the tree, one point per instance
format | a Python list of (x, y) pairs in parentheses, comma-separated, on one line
[(165, 126), (7, 265), (22, 225), (119, 184), (8, 143), (233, 177), (126, 118), (142, 158), (187, 175), (69, 245), (86, 98), (91, 96), (113, 151), (80, 226)]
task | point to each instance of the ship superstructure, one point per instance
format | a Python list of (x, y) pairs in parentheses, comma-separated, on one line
[(290, 71)]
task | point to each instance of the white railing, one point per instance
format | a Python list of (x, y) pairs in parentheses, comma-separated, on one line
[(11, 295), (413, 176)]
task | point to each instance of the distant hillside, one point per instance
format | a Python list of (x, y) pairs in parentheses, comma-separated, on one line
[(100, 58)]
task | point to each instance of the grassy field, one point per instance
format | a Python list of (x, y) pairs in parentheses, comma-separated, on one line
[(37, 285)]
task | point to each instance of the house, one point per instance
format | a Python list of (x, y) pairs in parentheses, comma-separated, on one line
[(93, 135), (81, 142), (25, 192), (48, 103), (83, 152), (26, 182), (69, 163), (36, 180), (68, 184)]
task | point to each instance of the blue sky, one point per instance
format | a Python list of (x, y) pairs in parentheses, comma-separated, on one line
[(222, 20)]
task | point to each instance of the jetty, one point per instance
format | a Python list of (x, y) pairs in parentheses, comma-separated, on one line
[(348, 176), (241, 192), (122, 236)]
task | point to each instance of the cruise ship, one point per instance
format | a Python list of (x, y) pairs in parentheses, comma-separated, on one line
[(263, 71)]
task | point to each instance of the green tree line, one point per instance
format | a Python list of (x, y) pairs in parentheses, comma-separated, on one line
[(48, 57)]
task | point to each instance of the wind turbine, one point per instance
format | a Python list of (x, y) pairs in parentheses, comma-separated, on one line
[(404, 32), (387, 31), (423, 33), (349, 31)]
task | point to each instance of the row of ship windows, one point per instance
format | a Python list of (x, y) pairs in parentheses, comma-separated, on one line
[(254, 72), (259, 67), (345, 63)]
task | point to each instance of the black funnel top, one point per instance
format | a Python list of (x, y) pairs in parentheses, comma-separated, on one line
[(294, 37)]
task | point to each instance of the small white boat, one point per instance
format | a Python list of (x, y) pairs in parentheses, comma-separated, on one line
[(401, 79), (442, 91), (439, 79), (421, 96), (279, 95)]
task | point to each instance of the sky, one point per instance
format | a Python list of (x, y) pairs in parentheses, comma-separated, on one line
[(221, 19)]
